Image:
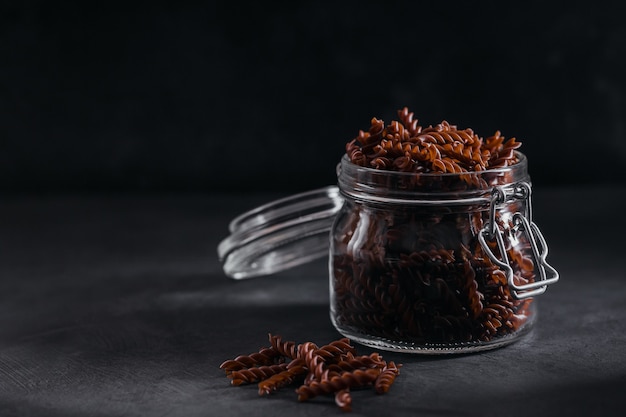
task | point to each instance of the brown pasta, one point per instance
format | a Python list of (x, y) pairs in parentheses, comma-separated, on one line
[(333, 369), (386, 378), (265, 356), (343, 399), (406, 146), (294, 370), (345, 380), (285, 348), (313, 361), (350, 362), (254, 374)]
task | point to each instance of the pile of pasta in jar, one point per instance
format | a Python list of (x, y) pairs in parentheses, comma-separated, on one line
[(434, 249)]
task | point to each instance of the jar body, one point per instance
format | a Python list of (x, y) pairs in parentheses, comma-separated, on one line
[(407, 270)]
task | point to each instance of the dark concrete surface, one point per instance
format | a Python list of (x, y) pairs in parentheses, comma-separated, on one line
[(117, 306)]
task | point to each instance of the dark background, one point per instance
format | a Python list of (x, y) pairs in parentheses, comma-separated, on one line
[(229, 96)]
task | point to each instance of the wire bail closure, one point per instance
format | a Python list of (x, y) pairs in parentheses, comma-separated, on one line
[(523, 222)]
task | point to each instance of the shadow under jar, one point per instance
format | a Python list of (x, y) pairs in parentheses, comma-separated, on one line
[(436, 262)]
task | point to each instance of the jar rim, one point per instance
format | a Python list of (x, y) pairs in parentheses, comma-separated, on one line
[(522, 162), (388, 186)]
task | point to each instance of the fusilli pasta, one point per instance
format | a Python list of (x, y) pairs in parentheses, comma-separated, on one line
[(332, 369)]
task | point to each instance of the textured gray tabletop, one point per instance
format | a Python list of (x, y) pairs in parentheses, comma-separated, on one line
[(117, 306)]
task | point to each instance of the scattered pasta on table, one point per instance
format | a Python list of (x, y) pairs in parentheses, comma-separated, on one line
[(333, 369)]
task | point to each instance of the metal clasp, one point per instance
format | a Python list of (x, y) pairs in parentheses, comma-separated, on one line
[(523, 222)]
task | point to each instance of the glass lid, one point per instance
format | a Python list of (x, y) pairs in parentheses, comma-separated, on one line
[(281, 234)]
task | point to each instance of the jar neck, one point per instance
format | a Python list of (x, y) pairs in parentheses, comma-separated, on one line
[(388, 187)]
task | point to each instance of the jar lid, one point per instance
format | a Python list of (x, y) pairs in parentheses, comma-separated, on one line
[(281, 234)]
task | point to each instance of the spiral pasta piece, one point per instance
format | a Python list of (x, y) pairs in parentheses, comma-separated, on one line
[(386, 378), (294, 370), (285, 348), (335, 349), (313, 361), (343, 399), (254, 374), (406, 117), (265, 356), (357, 378)]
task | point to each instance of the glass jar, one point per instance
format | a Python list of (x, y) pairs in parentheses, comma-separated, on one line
[(435, 263), (418, 262)]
